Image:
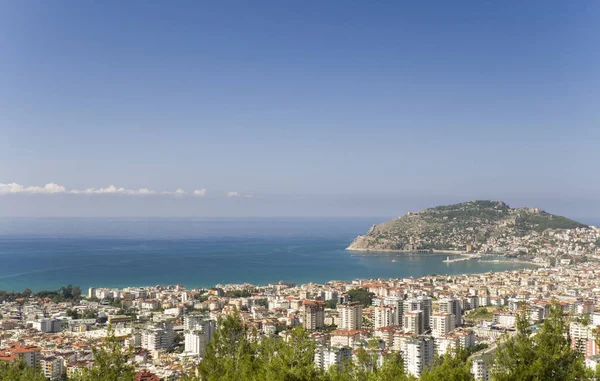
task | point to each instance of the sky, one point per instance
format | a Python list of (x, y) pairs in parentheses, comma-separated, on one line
[(312, 108)]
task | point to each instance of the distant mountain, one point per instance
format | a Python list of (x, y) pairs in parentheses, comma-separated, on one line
[(476, 225)]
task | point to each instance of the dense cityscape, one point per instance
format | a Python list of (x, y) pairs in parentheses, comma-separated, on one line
[(299, 191), (169, 327)]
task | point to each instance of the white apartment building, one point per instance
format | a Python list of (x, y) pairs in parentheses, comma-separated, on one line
[(46, 325), (481, 364), (420, 303), (452, 306), (580, 335), (158, 337), (53, 368), (595, 319), (346, 337), (383, 316), (350, 315), (442, 324), (326, 357), (480, 369), (445, 344), (198, 333), (505, 319), (194, 321), (413, 322), (418, 354), (196, 342), (398, 303)]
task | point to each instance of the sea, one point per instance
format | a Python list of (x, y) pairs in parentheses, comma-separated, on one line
[(47, 253)]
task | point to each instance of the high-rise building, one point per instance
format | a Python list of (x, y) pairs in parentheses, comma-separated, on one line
[(198, 331), (313, 314), (413, 322), (420, 303), (441, 324), (158, 337), (417, 353), (383, 316), (326, 357), (452, 306), (398, 304), (194, 321), (350, 315), (427, 308)]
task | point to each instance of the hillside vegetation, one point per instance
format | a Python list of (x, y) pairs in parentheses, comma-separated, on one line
[(453, 227)]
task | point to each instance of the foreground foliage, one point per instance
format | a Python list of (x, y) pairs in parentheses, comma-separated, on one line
[(545, 355), (110, 362), (18, 371)]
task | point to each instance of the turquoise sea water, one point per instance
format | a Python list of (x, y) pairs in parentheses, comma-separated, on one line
[(48, 253)]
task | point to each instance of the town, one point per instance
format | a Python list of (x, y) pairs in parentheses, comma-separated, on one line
[(169, 327)]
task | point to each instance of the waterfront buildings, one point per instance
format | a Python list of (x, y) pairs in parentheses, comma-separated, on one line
[(169, 335)]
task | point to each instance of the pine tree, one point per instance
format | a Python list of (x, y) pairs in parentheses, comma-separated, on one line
[(229, 355), (111, 362), (19, 371), (453, 366), (545, 355)]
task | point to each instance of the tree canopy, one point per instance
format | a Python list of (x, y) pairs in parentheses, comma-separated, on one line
[(111, 362), (361, 295), (544, 355), (19, 371)]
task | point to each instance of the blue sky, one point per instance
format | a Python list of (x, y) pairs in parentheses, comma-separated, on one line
[(276, 108)]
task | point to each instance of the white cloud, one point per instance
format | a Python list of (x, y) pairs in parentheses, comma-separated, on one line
[(52, 188), (114, 190), (200, 192), (178, 193), (233, 194), (18, 188)]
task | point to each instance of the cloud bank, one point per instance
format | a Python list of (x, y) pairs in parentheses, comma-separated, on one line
[(52, 188), (18, 188)]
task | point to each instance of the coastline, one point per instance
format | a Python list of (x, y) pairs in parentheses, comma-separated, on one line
[(509, 261), (435, 251)]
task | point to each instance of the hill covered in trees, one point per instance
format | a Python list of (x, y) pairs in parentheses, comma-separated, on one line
[(474, 224)]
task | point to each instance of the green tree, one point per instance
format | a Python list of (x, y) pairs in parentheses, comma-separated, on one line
[(365, 369), (361, 295), (547, 355), (19, 371), (229, 355), (287, 360), (111, 362), (453, 366)]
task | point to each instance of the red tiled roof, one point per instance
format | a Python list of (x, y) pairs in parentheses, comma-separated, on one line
[(145, 375), (4, 356)]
